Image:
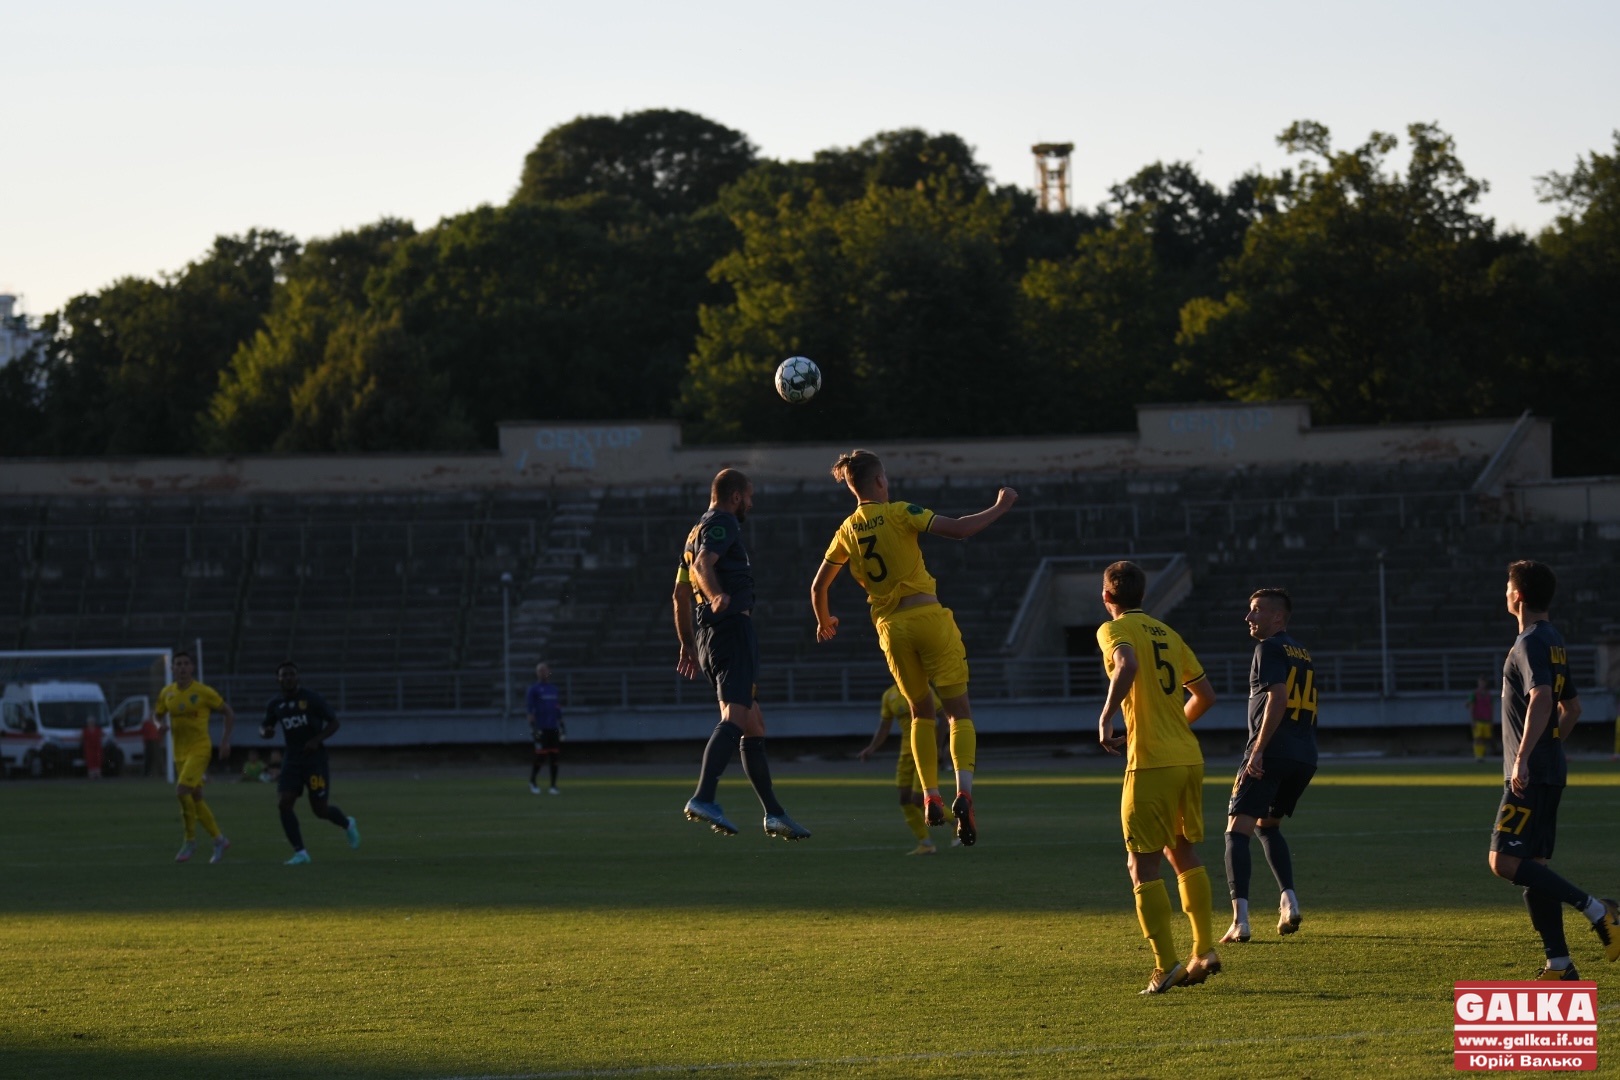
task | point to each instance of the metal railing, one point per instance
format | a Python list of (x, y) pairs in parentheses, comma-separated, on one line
[(1358, 674)]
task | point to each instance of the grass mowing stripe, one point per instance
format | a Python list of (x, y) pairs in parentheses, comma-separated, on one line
[(480, 932)]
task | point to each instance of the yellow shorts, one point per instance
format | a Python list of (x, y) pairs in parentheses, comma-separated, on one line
[(1161, 804), (191, 764), (1482, 731), (922, 646)]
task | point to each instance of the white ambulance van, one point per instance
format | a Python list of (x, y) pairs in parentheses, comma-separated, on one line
[(42, 727)]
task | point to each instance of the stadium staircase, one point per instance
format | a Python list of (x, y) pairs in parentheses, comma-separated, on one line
[(391, 584)]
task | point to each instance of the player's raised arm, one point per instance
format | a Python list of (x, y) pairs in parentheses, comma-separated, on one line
[(973, 524), (826, 621)]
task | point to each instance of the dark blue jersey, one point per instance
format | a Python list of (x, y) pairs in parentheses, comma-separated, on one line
[(1536, 659), (301, 717), (544, 705), (721, 533), (1280, 660)]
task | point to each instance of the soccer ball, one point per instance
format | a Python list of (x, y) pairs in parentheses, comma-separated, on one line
[(798, 379)]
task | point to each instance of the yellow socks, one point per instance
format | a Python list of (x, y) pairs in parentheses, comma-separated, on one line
[(925, 753), (206, 816), (1153, 912), (188, 816), (964, 751), (1195, 900), (915, 821)]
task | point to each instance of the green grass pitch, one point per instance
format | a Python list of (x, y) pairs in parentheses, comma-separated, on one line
[(482, 932)]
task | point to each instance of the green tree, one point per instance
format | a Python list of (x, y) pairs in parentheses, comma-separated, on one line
[(900, 295), (324, 289), (1572, 347), (670, 161), (130, 369), (1104, 316), (1369, 292)]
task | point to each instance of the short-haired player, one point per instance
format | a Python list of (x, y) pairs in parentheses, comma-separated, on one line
[(1159, 686), (1539, 709), (1279, 758), (919, 637)]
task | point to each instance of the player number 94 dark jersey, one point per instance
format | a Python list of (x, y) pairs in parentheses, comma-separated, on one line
[(300, 717)]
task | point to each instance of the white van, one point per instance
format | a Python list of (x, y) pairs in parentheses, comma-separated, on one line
[(42, 727)]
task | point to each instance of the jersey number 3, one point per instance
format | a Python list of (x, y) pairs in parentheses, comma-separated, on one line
[(869, 553)]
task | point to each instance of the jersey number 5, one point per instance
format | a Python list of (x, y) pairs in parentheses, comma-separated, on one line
[(1167, 671), (869, 553)]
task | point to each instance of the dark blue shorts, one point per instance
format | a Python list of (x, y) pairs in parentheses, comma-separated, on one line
[(1527, 826), (1273, 795), (301, 770), (728, 653)]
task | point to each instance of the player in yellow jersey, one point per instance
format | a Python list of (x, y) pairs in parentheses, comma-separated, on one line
[(920, 639), (187, 704), (1159, 685), (894, 709)]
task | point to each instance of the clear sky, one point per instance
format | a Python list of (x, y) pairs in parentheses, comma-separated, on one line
[(138, 132)]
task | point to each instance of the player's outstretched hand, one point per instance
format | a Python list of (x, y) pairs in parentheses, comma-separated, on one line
[(826, 631), (1005, 497), (865, 754)]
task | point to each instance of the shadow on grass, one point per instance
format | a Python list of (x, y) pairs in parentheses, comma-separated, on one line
[(1047, 844)]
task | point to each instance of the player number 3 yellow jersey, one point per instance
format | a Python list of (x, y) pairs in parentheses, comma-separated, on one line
[(878, 542)]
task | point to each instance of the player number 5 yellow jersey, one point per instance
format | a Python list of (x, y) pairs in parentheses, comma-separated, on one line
[(1155, 717)]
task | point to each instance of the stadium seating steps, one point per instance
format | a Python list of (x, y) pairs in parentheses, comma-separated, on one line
[(414, 583)]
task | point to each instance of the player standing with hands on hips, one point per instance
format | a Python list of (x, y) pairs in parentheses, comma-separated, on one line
[(306, 722), (1539, 708)]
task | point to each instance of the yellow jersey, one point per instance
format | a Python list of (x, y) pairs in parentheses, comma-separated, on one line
[(188, 711), (879, 544), (897, 709), (1156, 730)]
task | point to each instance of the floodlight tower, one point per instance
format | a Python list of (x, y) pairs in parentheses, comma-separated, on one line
[(1052, 175)]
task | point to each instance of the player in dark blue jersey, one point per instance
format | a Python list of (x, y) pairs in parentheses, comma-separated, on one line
[(1278, 760), (306, 722), (1539, 708), (544, 706), (714, 601)]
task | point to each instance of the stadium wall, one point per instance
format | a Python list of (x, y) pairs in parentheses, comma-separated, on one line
[(1070, 720), (548, 455)]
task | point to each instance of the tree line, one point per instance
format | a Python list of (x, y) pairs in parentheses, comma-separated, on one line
[(654, 265)]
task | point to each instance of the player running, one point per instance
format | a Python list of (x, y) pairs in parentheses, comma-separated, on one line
[(1539, 708), (1159, 685), (306, 723), (188, 705), (919, 637), (1278, 761)]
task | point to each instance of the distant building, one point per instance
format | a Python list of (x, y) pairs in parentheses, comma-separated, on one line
[(16, 336)]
